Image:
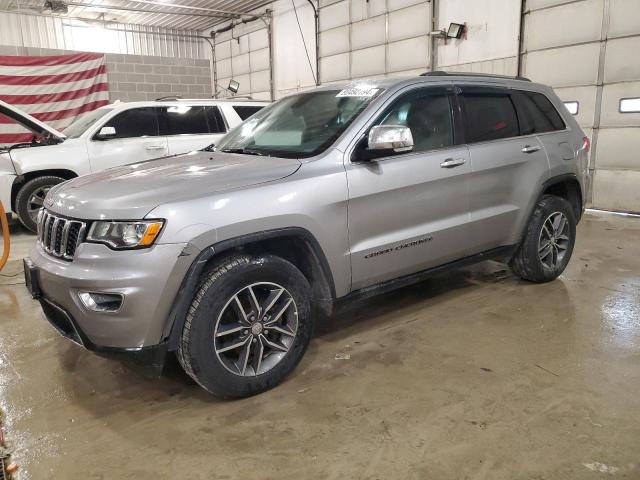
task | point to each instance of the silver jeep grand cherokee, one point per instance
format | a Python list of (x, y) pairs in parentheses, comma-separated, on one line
[(228, 257)]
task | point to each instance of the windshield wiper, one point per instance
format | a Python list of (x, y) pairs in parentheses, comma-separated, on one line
[(245, 151)]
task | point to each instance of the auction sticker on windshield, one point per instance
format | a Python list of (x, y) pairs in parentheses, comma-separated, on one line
[(358, 90)]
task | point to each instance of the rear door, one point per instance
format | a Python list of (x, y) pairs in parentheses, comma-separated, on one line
[(508, 166), (409, 212), (191, 127), (137, 138)]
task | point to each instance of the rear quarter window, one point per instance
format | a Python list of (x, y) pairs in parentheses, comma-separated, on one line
[(245, 111), (536, 113)]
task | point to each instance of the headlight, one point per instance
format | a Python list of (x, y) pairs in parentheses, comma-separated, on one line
[(123, 235)]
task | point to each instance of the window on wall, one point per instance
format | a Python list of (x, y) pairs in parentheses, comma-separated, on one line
[(427, 113), (630, 105), (490, 115), (536, 113), (572, 107), (136, 122)]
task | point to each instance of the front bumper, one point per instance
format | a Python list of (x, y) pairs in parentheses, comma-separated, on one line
[(147, 279), (151, 357), (6, 184)]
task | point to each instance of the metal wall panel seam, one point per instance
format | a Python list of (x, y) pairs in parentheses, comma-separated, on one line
[(599, 88)]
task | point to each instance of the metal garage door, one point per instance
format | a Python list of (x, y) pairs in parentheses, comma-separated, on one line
[(244, 56), (360, 38), (586, 50)]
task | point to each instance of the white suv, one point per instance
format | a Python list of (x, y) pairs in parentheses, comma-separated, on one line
[(116, 134)]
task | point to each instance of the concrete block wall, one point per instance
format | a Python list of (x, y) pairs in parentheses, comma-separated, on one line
[(137, 77)]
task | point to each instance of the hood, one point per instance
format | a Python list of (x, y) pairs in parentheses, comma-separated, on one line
[(27, 121), (132, 191)]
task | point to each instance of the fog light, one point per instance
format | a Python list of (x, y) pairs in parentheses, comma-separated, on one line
[(101, 302)]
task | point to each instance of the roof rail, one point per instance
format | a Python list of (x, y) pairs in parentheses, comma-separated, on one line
[(169, 98), (235, 97), (442, 73)]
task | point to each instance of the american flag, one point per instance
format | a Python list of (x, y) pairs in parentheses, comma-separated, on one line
[(54, 89)]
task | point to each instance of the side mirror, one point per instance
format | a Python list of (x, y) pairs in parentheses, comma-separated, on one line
[(385, 140), (106, 133)]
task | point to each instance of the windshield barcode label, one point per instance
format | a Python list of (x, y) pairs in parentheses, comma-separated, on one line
[(358, 91)]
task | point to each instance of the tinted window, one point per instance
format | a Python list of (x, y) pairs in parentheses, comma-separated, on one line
[(183, 120), (536, 113), (245, 111), (490, 115), (137, 122), (216, 122), (428, 114)]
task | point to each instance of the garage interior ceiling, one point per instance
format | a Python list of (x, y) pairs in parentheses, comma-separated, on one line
[(175, 14)]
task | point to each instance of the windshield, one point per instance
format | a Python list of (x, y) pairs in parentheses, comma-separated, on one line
[(301, 125), (81, 125)]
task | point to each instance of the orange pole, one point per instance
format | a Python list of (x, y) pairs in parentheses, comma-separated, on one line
[(5, 237)]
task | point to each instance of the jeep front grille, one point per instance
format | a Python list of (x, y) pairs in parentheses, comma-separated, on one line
[(59, 236)]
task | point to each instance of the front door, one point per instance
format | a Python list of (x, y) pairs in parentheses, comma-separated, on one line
[(136, 139), (409, 212)]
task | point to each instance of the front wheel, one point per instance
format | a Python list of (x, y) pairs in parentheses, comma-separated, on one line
[(30, 199), (248, 326), (548, 242)]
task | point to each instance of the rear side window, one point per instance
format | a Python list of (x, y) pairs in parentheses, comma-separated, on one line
[(183, 120), (536, 113), (490, 115), (136, 122), (245, 111), (215, 120)]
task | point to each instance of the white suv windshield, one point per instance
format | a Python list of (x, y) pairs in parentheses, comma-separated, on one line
[(81, 125), (298, 126)]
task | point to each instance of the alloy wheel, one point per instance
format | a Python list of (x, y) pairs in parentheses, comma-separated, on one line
[(36, 201), (554, 240), (256, 328)]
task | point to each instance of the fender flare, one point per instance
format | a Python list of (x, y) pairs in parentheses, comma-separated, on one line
[(177, 314), (546, 184)]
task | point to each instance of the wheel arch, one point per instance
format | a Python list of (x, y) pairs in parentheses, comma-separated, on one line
[(294, 244), (22, 179), (567, 187)]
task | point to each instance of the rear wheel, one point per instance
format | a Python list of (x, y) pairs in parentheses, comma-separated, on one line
[(30, 199), (548, 243), (248, 326)]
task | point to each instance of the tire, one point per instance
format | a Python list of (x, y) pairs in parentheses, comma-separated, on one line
[(214, 323), (25, 204), (548, 242)]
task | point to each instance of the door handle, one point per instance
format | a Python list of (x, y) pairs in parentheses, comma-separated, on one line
[(452, 162), (530, 148), (155, 147)]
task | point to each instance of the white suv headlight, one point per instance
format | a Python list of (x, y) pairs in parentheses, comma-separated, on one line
[(125, 235)]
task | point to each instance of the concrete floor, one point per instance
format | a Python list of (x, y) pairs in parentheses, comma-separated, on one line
[(472, 375)]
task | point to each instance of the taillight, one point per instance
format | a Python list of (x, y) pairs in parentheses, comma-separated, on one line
[(586, 144)]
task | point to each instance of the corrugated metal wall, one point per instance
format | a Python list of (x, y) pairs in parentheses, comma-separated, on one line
[(244, 52), (39, 31), (375, 38), (243, 55), (587, 50)]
